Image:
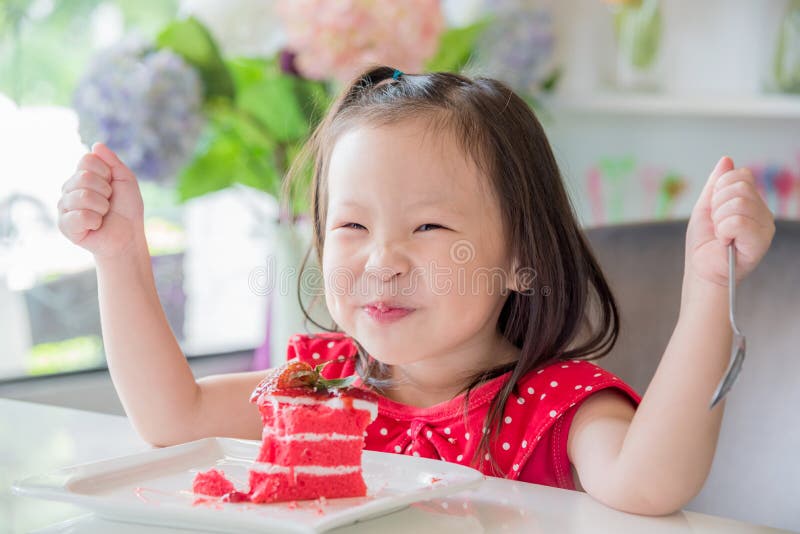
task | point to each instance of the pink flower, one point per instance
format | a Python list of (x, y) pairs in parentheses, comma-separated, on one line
[(336, 39)]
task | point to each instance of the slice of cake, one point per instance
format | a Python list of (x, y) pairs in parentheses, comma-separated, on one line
[(312, 439)]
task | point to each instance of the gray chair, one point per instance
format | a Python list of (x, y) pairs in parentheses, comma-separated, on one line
[(756, 472)]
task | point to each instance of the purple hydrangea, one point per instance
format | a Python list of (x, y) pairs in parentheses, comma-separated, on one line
[(145, 104), (518, 47)]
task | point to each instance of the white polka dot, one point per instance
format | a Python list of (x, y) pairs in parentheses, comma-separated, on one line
[(524, 443), (515, 467), (588, 388), (553, 384), (578, 387), (451, 440), (484, 430), (531, 391), (315, 355), (466, 436), (508, 420), (447, 430), (330, 344), (506, 446), (543, 396), (486, 456), (365, 433), (408, 431), (429, 434), (597, 374), (398, 448), (384, 432), (459, 457), (520, 400), (564, 366), (416, 453), (340, 358), (553, 413)]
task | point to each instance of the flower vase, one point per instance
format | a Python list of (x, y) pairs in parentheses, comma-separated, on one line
[(637, 27), (285, 317), (787, 52)]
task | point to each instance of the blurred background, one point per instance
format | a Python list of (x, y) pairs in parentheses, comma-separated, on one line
[(209, 103)]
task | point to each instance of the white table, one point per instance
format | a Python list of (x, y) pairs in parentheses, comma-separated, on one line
[(36, 439)]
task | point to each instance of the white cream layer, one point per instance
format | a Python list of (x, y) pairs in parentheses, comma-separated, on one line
[(272, 469), (333, 402), (310, 436)]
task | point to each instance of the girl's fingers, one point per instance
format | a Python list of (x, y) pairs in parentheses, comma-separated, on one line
[(77, 223), (87, 180), (84, 199), (118, 169), (93, 163), (736, 189), (738, 206), (736, 175)]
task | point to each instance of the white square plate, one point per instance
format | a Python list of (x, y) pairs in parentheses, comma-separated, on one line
[(155, 487)]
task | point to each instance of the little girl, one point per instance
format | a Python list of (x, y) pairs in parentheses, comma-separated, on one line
[(463, 291)]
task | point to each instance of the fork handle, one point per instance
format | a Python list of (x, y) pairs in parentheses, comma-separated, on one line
[(732, 285)]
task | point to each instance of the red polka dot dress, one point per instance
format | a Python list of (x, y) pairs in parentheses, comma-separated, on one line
[(532, 443)]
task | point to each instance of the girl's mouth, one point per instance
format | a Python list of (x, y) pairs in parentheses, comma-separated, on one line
[(386, 315)]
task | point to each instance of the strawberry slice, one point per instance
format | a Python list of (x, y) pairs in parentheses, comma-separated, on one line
[(296, 374)]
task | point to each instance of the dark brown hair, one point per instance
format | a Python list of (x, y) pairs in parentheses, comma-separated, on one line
[(572, 315)]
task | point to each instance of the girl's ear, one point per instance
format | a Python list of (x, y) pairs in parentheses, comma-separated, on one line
[(520, 279), (513, 282)]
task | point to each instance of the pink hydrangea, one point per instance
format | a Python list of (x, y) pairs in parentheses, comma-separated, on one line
[(338, 39)]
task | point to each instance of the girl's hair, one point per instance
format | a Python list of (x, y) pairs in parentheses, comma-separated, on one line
[(573, 314)]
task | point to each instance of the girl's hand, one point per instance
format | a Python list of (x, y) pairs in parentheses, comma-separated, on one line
[(729, 208), (101, 207)]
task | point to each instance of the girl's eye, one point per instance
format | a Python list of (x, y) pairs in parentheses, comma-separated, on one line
[(431, 225), (352, 225)]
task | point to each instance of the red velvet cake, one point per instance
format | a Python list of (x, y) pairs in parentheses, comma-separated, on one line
[(312, 439)]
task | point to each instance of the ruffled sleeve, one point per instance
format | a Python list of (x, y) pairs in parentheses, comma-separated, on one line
[(568, 384)]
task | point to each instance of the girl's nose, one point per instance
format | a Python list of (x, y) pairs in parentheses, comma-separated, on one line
[(385, 262)]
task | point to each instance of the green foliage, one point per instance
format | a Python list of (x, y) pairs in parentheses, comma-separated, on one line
[(191, 40), (43, 55), (456, 47), (67, 355), (253, 137)]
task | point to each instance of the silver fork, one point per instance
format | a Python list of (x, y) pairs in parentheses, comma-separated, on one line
[(738, 345)]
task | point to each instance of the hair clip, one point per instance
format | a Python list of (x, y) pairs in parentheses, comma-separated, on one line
[(397, 74)]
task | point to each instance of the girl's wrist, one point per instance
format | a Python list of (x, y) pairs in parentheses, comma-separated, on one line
[(702, 295), (135, 253)]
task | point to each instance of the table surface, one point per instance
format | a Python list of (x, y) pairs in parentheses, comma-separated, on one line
[(37, 439)]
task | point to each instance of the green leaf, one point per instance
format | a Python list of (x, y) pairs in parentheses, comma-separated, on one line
[(338, 382), (192, 41), (273, 101), (318, 369), (456, 47), (232, 149)]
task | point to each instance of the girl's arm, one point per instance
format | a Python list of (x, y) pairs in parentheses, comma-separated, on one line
[(150, 372), (101, 210), (655, 460)]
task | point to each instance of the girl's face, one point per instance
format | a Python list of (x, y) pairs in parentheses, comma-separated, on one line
[(411, 222)]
